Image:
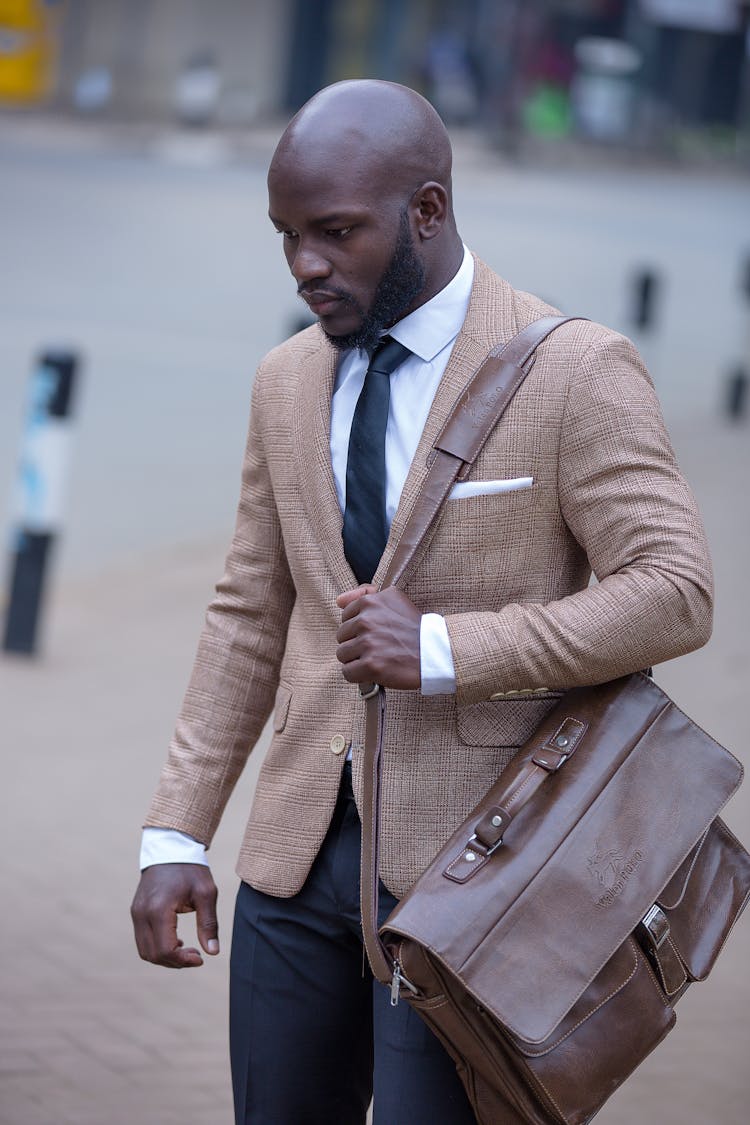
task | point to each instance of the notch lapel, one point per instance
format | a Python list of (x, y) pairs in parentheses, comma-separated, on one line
[(311, 433)]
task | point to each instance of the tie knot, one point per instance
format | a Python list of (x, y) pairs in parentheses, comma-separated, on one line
[(388, 355)]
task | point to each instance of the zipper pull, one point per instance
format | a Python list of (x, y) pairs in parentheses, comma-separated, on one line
[(395, 984)]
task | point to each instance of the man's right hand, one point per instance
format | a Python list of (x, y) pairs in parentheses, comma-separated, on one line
[(166, 890)]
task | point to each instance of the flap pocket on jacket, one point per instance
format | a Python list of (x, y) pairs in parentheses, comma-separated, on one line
[(503, 722), (281, 708)]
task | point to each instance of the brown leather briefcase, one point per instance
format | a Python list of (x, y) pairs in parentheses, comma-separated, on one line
[(548, 942)]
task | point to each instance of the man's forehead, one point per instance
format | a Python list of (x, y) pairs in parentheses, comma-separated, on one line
[(329, 180), (349, 154)]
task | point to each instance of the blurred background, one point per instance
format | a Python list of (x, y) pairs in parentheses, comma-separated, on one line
[(602, 152), (650, 73)]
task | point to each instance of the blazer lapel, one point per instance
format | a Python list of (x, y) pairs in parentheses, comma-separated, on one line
[(312, 427), (490, 319)]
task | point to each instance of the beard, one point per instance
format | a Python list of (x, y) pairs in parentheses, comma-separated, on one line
[(403, 279)]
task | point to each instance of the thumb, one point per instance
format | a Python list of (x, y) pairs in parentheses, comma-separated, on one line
[(206, 921)]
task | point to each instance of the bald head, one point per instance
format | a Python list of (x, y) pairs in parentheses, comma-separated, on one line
[(360, 188), (374, 128)]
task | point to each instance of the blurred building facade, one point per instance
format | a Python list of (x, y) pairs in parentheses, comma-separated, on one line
[(610, 67)]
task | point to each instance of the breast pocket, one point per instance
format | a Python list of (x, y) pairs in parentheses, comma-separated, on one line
[(482, 549), (479, 513)]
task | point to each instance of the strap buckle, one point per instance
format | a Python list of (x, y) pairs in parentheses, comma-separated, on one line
[(479, 845), (655, 926), (368, 691)]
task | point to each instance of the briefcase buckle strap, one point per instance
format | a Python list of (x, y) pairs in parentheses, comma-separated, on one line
[(560, 745), (655, 926), (489, 831)]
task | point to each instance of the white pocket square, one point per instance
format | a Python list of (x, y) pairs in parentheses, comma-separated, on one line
[(488, 487)]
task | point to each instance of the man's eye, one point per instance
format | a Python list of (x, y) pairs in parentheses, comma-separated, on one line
[(288, 234), (338, 232)]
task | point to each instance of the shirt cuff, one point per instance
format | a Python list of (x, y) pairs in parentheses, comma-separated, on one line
[(436, 659), (167, 845)]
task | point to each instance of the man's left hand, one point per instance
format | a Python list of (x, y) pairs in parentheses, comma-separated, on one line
[(379, 638)]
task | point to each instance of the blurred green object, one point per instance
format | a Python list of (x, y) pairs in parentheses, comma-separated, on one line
[(546, 112)]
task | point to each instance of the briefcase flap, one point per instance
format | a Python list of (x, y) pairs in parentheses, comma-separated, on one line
[(581, 863)]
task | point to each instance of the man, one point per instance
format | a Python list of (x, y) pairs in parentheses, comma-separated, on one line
[(492, 621)]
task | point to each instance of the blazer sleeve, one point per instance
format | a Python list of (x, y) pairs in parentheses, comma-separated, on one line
[(233, 683), (626, 503)]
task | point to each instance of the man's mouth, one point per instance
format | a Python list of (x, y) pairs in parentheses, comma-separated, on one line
[(321, 303)]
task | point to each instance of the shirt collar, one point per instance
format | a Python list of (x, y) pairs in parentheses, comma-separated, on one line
[(437, 322)]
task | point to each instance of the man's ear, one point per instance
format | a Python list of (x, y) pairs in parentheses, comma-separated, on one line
[(429, 206)]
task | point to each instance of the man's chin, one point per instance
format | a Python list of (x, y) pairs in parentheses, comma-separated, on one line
[(343, 328), (365, 336), (342, 342)]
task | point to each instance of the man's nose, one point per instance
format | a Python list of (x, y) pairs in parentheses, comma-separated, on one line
[(308, 265)]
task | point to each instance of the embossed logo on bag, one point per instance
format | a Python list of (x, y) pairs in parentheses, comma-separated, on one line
[(479, 407), (612, 869)]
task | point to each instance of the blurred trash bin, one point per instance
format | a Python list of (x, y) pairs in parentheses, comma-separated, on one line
[(603, 89), (452, 84), (197, 90)]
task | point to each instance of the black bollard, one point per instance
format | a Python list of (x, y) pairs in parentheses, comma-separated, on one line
[(41, 478), (745, 277), (736, 400), (645, 300)]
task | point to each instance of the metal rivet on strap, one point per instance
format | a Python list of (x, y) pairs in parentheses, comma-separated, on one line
[(470, 856), (497, 821), (562, 740)]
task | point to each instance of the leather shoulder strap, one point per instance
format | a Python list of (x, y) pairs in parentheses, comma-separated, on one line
[(475, 414)]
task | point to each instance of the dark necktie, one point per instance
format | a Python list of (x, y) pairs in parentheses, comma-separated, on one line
[(365, 526)]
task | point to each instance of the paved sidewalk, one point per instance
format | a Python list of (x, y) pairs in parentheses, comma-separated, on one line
[(90, 1035)]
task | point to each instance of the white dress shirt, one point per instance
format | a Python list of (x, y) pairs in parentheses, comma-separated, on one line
[(429, 333)]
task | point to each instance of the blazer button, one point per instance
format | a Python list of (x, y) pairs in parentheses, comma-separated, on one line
[(338, 744)]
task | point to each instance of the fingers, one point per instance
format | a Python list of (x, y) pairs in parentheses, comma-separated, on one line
[(353, 657), (379, 639), (348, 630), (206, 922), (166, 890), (165, 947), (343, 601), (352, 636), (358, 672)]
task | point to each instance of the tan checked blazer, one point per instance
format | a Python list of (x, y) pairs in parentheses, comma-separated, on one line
[(509, 571)]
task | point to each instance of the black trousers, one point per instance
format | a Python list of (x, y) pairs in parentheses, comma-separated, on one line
[(312, 1035)]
